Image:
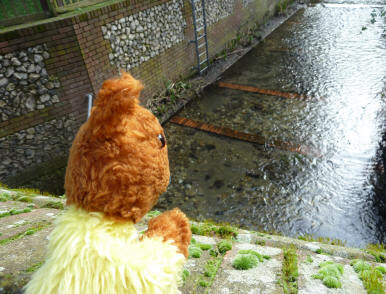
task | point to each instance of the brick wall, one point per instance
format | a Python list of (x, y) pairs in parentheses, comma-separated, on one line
[(79, 59)]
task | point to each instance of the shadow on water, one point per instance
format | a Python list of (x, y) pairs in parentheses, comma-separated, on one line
[(335, 56)]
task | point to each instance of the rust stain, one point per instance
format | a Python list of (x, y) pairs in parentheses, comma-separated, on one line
[(257, 139), (260, 91)]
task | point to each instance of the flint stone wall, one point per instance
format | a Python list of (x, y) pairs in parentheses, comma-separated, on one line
[(47, 69), (24, 82)]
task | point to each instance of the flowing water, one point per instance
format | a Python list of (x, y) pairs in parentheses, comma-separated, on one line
[(333, 53)]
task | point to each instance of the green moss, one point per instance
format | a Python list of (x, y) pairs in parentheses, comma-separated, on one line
[(323, 240), (27, 199), (360, 265), (15, 211), (213, 252), (309, 259), (245, 261), (194, 251), (372, 281), (54, 205), (5, 197), (185, 275), (370, 276), (211, 267), (224, 246), (209, 229), (331, 282), (204, 246), (30, 231), (381, 269), (330, 274), (203, 283), (34, 267), (378, 251), (153, 213), (258, 255), (260, 242), (289, 275)]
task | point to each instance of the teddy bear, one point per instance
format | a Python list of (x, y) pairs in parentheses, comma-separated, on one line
[(117, 168)]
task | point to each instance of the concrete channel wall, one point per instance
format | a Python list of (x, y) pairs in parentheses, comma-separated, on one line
[(48, 67)]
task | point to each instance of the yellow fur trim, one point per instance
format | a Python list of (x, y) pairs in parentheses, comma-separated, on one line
[(88, 254)]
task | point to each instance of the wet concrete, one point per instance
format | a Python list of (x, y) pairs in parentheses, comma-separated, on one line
[(333, 53)]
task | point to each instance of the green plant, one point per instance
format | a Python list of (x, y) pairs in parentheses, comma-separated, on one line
[(370, 275), (289, 275), (224, 246), (258, 255), (378, 251), (330, 274), (54, 205), (209, 229), (194, 251), (309, 259), (185, 275), (153, 213), (245, 261), (5, 197)]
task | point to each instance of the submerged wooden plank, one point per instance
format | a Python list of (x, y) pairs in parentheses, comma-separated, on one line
[(252, 138), (260, 90)]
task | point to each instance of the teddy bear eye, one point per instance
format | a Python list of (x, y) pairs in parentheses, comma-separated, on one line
[(162, 140)]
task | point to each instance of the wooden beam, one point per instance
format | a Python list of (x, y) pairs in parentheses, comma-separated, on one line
[(252, 138), (260, 91)]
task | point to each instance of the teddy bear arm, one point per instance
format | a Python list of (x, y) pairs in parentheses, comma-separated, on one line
[(171, 225)]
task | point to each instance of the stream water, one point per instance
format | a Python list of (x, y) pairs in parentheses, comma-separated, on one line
[(334, 53)]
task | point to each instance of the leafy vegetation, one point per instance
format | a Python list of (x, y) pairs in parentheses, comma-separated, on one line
[(168, 98)]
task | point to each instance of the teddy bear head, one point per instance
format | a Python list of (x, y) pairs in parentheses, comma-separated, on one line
[(118, 163)]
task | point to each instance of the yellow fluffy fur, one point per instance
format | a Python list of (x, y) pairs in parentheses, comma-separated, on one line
[(90, 254)]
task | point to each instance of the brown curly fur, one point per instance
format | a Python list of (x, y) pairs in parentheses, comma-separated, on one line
[(172, 225), (117, 164)]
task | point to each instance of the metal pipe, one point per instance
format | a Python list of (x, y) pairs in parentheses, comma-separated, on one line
[(89, 96)]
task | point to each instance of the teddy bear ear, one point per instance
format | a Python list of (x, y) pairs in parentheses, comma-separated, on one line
[(131, 88), (119, 94)]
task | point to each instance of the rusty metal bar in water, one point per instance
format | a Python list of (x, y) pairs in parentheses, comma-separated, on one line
[(257, 139), (260, 91)]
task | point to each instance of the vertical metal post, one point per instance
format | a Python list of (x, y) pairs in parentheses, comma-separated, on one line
[(89, 97), (206, 36), (195, 33)]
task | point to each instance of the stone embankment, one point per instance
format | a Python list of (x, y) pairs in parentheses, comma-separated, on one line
[(223, 259)]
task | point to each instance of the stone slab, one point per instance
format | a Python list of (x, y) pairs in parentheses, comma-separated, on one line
[(307, 285), (259, 280)]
